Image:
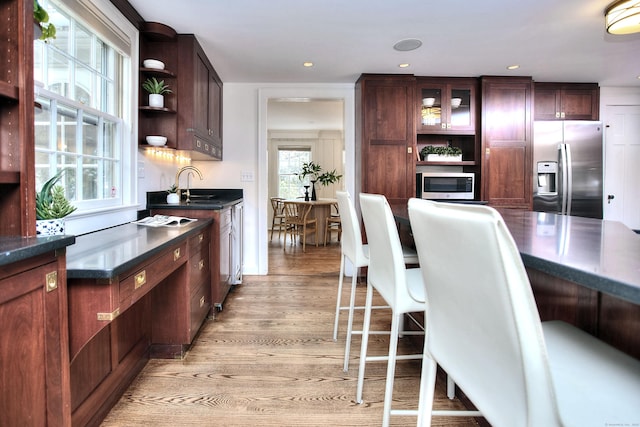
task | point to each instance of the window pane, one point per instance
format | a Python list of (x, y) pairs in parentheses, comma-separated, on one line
[(58, 74), (66, 129), (42, 124), (90, 179), (108, 139), (89, 134), (62, 29), (83, 42), (69, 178), (289, 164)]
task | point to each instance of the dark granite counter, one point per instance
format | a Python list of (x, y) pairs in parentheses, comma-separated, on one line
[(14, 249), (598, 254), (106, 253), (201, 199)]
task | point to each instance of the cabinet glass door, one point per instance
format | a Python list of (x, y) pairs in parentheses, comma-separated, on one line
[(431, 108), (461, 116)]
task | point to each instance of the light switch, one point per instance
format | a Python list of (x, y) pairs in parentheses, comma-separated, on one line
[(246, 176), (140, 169)]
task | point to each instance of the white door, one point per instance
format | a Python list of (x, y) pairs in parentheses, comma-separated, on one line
[(622, 165)]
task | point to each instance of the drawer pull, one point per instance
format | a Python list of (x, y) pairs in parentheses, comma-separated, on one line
[(201, 264), (109, 316), (140, 279), (200, 238), (51, 280), (176, 254), (201, 301)]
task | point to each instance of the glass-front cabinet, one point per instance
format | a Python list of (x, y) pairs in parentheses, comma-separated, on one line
[(446, 105)]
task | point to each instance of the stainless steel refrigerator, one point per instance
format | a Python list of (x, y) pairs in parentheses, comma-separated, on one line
[(567, 167)]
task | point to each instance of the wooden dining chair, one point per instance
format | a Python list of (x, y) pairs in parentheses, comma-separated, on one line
[(298, 223), (277, 222), (333, 223)]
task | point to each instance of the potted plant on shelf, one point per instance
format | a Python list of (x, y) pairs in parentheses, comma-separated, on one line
[(52, 207), (156, 90), (441, 153), (314, 171), (44, 30)]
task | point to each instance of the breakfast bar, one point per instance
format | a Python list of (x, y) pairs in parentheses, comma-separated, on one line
[(584, 271)]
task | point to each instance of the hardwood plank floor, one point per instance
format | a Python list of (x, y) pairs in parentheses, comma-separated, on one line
[(268, 359)]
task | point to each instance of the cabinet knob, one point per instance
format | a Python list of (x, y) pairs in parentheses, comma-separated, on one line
[(557, 114)]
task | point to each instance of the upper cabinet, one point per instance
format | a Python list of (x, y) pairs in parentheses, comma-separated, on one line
[(199, 100), (566, 101), (191, 118), (446, 105), (17, 170)]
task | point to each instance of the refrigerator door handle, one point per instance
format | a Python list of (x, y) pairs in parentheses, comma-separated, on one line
[(563, 177), (569, 174)]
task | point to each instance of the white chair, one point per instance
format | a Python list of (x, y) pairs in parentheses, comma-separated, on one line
[(400, 287), (484, 330), (358, 254)]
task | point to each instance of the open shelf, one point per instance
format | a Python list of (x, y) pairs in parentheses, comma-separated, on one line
[(8, 91)]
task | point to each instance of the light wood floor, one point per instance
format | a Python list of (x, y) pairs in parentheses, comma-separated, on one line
[(268, 359)]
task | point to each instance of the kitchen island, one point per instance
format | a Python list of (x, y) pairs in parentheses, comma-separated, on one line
[(584, 271)]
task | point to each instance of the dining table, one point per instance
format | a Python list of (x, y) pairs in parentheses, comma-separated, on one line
[(320, 210)]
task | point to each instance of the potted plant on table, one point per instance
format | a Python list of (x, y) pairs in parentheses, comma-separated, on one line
[(441, 153), (156, 90), (52, 207), (314, 171)]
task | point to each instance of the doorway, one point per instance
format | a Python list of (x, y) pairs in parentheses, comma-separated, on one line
[(271, 101)]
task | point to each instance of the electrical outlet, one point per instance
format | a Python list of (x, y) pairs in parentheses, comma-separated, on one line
[(140, 169)]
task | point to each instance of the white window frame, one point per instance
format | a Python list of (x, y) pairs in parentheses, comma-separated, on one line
[(111, 25)]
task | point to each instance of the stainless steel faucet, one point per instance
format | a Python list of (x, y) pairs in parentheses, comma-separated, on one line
[(187, 168)]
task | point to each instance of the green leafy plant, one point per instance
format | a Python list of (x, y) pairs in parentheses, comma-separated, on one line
[(154, 86), (172, 189), (441, 150), (314, 171), (41, 18), (51, 202)]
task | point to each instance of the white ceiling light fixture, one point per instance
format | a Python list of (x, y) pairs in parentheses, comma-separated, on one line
[(513, 67), (623, 17), (307, 64), (407, 45), (403, 65)]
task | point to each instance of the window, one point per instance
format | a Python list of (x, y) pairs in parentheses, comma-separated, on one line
[(290, 162), (83, 80)]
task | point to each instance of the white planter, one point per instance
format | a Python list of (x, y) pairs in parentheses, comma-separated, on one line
[(49, 227), (173, 198), (156, 100), (442, 158)]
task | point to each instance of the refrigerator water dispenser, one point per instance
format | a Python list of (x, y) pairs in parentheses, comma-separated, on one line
[(547, 178)]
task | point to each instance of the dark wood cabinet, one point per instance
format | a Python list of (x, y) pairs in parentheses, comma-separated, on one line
[(506, 141), (386, 135), (17, 163), (34, 354), (192, 117), (199, 100), (566, 101)]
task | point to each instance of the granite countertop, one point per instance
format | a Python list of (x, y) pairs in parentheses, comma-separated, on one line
[(599, 254), (201, 199), (15, 249), (107, 253)]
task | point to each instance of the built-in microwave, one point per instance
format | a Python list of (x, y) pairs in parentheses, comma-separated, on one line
[(445, 185)]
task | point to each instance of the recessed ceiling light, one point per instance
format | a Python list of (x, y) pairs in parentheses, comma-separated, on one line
[(307, 64), (407, 44), (513, 67), (403, 65)]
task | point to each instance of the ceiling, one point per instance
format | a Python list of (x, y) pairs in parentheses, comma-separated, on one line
[(254, 41)]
